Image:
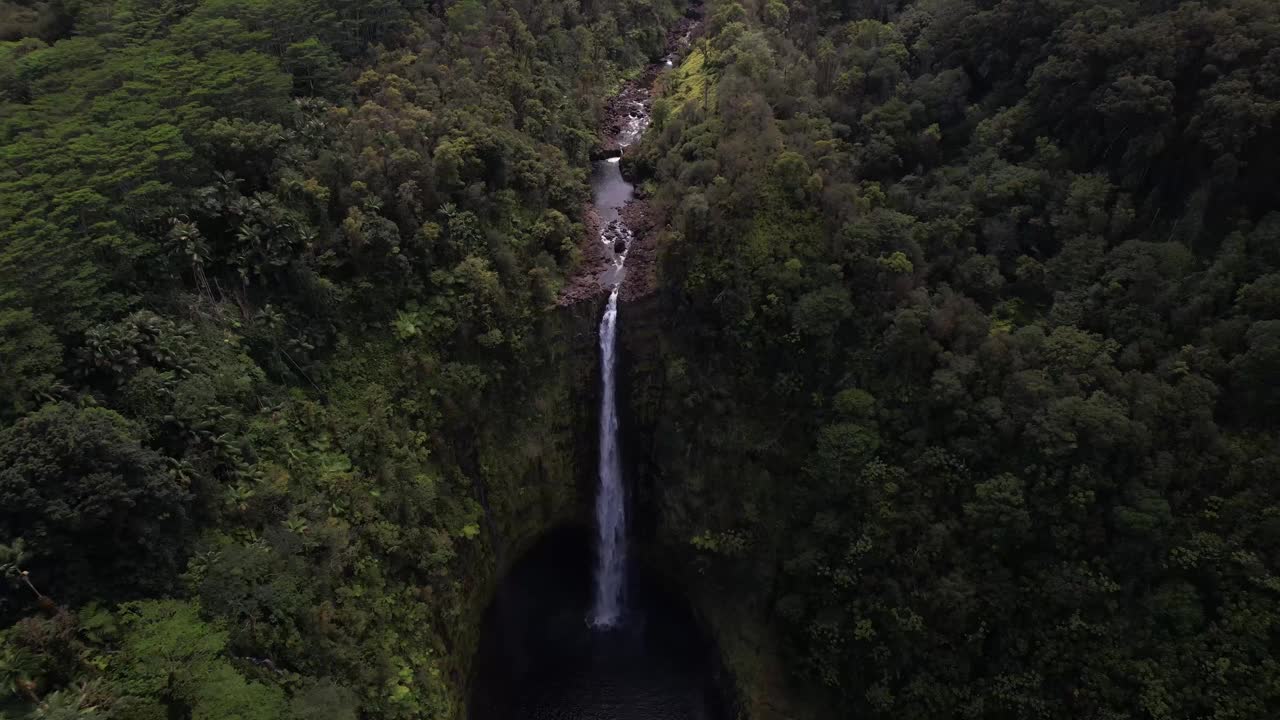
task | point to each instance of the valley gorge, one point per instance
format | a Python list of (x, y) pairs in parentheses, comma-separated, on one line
[(557, 360)]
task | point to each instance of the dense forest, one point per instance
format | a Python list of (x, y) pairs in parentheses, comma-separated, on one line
[(955, 396), (968, 370), (273, 330)]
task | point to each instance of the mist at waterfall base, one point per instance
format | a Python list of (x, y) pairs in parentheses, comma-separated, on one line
[(540, 658)]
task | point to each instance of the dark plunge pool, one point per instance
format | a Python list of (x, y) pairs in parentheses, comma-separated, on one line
[(540, 660)]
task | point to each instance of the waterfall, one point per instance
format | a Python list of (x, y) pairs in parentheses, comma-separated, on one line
[(612, 193), (611, 511)]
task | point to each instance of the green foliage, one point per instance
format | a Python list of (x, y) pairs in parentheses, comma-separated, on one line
[(169, 656), (972, 309), (30, 356), (272, 289), (166, 648), (689, 83), (100, 513), (324, 701)]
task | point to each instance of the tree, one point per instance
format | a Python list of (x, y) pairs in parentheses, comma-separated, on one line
[(30, 356), (170, 657), (100, 513)]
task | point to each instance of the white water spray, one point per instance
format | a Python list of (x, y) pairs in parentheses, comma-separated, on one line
[(611, 511)]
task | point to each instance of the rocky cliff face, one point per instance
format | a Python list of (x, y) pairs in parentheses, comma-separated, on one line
[(671, 462), (534, 467)]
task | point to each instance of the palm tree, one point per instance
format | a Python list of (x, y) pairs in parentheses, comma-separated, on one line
[(12, 558), (75, 703), (13, 676)]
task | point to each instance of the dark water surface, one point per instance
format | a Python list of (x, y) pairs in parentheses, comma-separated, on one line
[(609, 190), (539, 659)]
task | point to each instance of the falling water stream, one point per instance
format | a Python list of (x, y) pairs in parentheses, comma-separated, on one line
[(640, 654), (611, 511), (612, 192)]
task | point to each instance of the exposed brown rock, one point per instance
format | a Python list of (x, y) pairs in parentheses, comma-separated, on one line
[(642, 258), (584, 283), (633, 100)]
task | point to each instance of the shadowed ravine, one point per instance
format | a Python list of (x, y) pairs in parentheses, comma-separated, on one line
[(570, 636), (539, 658)]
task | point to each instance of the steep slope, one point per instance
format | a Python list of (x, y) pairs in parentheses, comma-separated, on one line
[(960, 378), (284, 386)]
